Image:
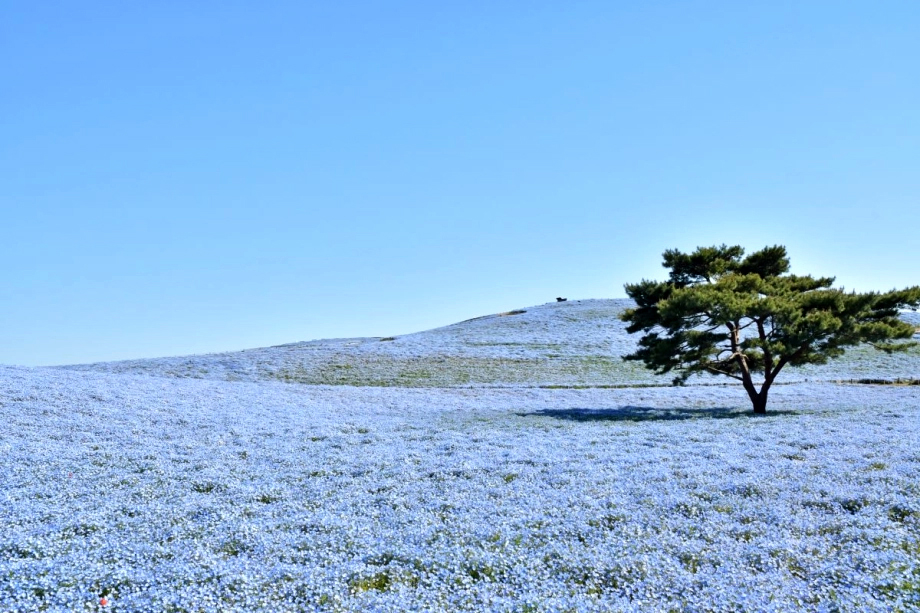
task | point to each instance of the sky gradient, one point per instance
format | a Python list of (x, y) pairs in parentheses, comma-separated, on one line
[(195, 177)]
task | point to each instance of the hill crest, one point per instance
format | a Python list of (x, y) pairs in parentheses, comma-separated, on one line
[(572, 343)]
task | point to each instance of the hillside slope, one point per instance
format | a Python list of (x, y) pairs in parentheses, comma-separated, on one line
[(575, 343)]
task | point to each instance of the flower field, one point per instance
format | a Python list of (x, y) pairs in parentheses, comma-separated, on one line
[(131, 492)]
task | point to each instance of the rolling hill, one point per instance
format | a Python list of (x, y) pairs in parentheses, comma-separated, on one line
[(456, 470), (574, 343)]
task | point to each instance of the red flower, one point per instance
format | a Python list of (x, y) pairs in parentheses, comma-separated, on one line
[(103, 601)]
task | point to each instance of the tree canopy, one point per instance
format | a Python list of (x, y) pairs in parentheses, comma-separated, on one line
[(747, 318)]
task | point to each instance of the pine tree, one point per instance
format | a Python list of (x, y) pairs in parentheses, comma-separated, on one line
[(747, 318)]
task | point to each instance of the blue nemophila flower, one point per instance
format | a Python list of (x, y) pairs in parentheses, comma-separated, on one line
[(215, 496)]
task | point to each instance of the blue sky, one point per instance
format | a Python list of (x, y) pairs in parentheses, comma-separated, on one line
[(188, 177)]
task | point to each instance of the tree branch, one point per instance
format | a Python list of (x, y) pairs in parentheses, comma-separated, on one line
[(742, 359), (767, 356), (722, 372), (783, 360)]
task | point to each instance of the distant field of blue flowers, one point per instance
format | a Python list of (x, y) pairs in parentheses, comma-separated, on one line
[(131, 492)]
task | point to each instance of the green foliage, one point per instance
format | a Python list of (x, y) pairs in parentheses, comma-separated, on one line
[(723, 313)]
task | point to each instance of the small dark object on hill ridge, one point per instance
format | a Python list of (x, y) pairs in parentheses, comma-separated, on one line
[(561, 299)]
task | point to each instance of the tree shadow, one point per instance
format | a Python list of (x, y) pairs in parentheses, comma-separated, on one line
[(634, 413)]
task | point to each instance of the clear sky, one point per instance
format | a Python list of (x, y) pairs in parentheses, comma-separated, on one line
[(186, 177)]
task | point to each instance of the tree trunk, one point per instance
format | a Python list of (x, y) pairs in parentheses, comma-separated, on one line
[(760, 401)]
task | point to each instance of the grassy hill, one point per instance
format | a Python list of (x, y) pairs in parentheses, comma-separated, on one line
[(451, 481), (575, 343)]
